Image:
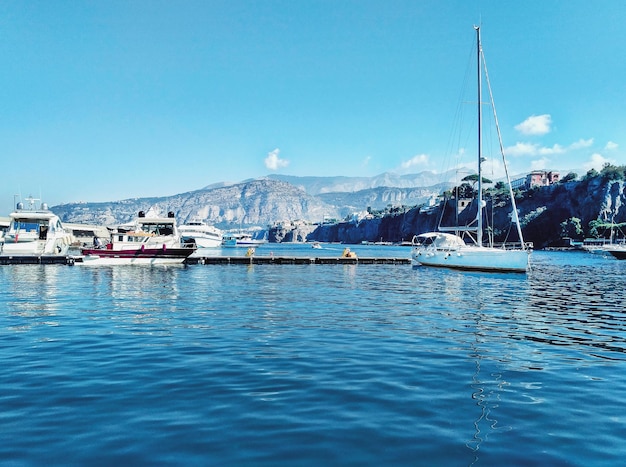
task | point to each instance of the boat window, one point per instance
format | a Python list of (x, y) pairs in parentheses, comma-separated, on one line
[(424, 241), (25, 225), (158, 229)]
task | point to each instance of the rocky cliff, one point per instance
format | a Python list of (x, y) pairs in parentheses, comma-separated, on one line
[(546, 215)]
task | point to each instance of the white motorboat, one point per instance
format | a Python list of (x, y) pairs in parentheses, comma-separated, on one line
[(149, 240), (241, 239), (200, 233), (451, 250), (35, 232)]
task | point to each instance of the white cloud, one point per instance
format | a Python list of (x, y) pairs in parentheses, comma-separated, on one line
[(493, 168), (522, 149), (420, 159), (611, 146), (581, 143), (534, 149), (540, 164), (273, 162), (596, 162), (556, 149), (366, 161), (535, 125)]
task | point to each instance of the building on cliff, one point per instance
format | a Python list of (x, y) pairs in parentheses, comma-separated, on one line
[(536, 178)]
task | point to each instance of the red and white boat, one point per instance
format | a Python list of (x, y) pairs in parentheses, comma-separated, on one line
[(149, 240)]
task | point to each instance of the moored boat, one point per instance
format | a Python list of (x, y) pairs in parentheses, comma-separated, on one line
[(200, 233), (35, 232), (445, 250), (616, 250), (242, 239), (150, 240), (465, 248)]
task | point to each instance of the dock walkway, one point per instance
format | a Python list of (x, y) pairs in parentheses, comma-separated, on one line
[(292, 260), (71, 260)]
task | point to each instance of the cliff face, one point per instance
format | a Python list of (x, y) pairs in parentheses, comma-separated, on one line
[(541, 212), (299, 233)]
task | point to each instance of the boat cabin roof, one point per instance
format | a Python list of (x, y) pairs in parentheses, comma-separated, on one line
[(32, 216), (155, 220), (440, 239)]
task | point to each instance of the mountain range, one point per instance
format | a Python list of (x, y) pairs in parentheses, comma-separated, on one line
[(271, 199)]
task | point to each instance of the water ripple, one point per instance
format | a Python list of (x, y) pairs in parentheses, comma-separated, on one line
[(284, 365)]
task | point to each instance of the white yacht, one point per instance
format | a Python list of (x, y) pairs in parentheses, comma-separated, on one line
[(34, 232), (242, 239), (202, 234)]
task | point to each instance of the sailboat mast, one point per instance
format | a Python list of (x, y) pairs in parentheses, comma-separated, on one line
[(515, 215), (479, 217)]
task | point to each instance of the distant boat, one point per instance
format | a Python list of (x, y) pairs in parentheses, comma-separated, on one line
[(35, 232), (202, 234), (603, 245), (597, 246), (616, 250), (241, 239), (450, 250), (149, 240)]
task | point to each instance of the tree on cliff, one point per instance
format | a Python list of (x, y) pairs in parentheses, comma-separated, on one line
[(571, 228)]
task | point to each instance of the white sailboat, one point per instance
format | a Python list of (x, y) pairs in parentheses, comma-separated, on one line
[(451, 250)]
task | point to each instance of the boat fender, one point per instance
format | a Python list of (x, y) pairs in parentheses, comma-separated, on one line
[(143, 248), (164, 247)]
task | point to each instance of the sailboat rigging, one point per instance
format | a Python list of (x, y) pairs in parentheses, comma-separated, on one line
[(450, 250)]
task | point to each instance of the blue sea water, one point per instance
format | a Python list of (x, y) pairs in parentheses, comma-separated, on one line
[(314, 364)]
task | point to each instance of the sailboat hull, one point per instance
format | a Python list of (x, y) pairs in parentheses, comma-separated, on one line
[(473, 258)]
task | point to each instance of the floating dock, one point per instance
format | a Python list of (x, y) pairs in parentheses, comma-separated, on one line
[(71, 260), (292, 260), (39, 259)]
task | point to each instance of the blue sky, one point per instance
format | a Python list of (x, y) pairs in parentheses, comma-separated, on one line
[(107, 100)]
